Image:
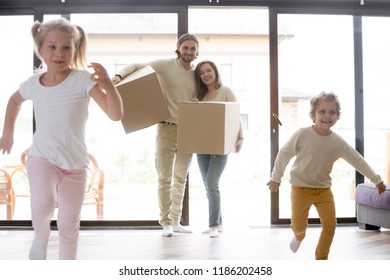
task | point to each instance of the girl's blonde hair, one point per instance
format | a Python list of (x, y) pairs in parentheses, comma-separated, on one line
[(327, 97), (40, 30)]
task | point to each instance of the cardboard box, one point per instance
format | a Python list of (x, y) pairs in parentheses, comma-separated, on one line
[(143, 100), (208, 127)]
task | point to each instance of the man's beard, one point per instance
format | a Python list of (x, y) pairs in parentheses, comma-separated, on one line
[(187, 58)]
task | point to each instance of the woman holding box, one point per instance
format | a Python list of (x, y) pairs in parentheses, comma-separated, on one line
[(209, 88)]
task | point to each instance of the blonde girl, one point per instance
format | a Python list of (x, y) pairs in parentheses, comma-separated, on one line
[(57, 158)]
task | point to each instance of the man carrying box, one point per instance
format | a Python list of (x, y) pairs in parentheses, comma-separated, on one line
[(176, 76)]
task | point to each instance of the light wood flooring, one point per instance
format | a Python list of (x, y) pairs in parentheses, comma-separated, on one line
[(246, 243)]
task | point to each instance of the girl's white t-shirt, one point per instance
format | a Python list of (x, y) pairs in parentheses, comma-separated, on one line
[(61, 113)]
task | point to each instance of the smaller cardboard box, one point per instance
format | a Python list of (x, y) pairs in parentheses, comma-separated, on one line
[(208, 127), (143, 100)]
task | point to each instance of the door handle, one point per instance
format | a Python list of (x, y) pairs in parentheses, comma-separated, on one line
[(277, 119)]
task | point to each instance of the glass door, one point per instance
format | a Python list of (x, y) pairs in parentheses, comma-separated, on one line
[(316, 55), (237, 40), (129, 191)]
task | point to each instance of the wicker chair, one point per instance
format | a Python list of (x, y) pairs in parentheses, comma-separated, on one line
[(94, 193), (6, 192)]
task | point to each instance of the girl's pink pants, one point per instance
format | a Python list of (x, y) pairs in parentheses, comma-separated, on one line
[(53, 187)]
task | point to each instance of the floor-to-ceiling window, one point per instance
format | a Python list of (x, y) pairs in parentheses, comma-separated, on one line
[(130, 190), (317, 57), (116, 40), (324, 54), (236, 39), (376, 97), (17, 66)]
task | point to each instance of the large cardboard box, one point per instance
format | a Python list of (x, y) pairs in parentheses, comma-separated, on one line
[(143, 100), (208, 127)]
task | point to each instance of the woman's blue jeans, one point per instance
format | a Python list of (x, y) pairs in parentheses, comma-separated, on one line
[(211, 168)]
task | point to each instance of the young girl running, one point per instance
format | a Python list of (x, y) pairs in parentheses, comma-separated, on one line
[(57, 158), (316, 149)]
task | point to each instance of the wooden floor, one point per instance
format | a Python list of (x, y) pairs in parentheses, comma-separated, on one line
[(256, 243)]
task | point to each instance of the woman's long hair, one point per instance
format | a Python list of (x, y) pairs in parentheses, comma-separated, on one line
[(201, 88)]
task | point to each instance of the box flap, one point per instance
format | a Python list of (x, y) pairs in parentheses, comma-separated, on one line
[(147, 70)]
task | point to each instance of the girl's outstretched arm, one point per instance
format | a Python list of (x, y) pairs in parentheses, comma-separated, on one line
[(105, 93), (11, 113)]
